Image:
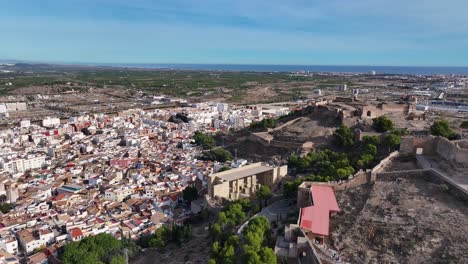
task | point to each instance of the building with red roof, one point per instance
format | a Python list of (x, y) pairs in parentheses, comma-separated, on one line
[(76, 234), (316, 218)]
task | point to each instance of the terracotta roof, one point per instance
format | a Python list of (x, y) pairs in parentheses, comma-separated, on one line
[(316, 218), (76, 232), (324, 196)]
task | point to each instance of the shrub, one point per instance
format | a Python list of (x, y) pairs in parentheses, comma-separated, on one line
[(441, 128), (382, 124)]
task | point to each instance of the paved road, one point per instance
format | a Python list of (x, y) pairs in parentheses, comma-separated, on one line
[(271, 212)]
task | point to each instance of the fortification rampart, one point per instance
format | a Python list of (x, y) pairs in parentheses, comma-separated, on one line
[(266, 140), (451, 151)]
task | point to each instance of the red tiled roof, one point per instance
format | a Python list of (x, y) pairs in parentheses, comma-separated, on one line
[(138, 221), (76, 232), (59, 197), (324, 196), (316, 218)]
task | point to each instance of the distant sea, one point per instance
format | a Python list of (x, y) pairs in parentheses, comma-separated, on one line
[(307, 68)]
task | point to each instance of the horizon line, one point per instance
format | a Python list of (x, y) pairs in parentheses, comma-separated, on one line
[(218, 63)]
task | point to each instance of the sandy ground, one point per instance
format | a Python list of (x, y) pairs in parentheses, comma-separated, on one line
[(404, 221)]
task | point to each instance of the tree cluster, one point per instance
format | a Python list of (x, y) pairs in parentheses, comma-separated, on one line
[(5, 207), (252, 248), (263, 194), (228, 247), (204, 140), (352, 155), (263, 125), (163, 236), (344, 137), (218, 154), (324, 165), (442, 128), (208, 143), (102, 248), (382, 124)]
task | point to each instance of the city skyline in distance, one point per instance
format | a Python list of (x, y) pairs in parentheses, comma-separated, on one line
[(390, 33)]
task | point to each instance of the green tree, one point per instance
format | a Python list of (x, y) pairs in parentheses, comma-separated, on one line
[(263, 125), (204, 140), (215, 249), (118, 260), (222, 218), (156, 242), (382, 124), (370, 149), (220, 154), (233, 241), (101, 248), (263, 194), (227, 255), (5, 207), (267, 255), (365, 160), (392, 141), (216, 230), (374, 140), (290, 188), (190, 193), (442, 128), (251, 257), (344, 137)]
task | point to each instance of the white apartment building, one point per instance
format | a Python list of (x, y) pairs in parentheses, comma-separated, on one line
[(25, 123), (16, 106), (51, 122), (9, 244), (30, 240), (20, 165), (222, 107), (118, 195)]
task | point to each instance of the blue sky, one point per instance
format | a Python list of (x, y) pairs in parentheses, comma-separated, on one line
[(315, 32)]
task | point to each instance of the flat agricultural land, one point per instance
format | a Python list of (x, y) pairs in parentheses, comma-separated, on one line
[(407, 220)]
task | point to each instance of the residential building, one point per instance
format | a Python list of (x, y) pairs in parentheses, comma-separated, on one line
[(9, 244), (33, 239)]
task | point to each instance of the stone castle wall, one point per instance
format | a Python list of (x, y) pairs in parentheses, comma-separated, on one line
[(452, 151)]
